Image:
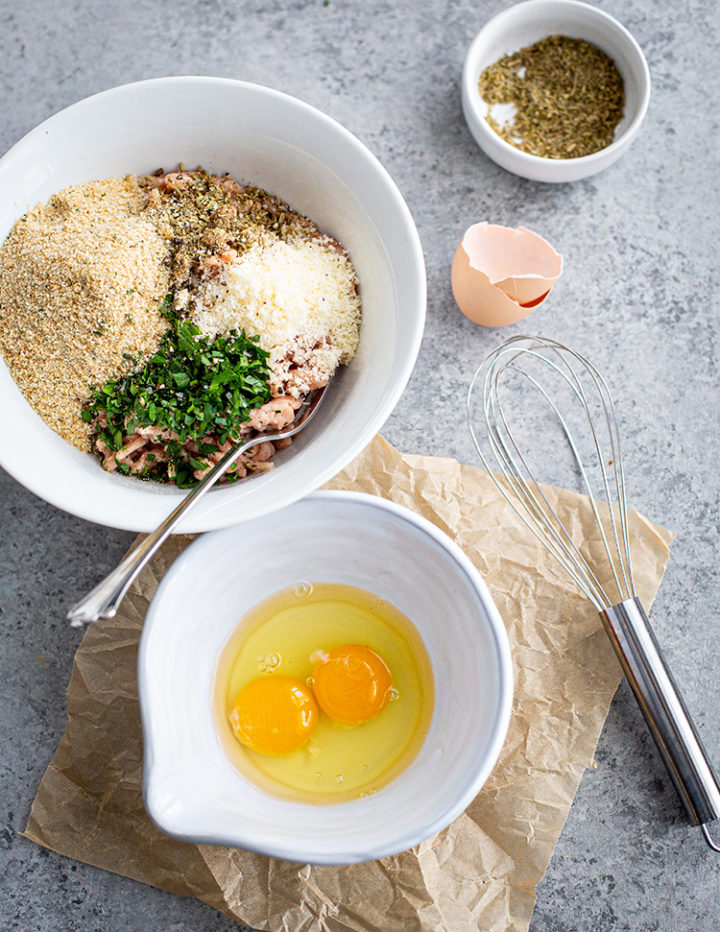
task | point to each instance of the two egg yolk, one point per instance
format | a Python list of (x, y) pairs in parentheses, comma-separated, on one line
[(277, 714)]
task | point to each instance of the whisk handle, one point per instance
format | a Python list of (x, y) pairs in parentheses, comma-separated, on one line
[(664, 710)]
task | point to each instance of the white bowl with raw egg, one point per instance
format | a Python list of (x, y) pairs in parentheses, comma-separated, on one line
[(246, 629)]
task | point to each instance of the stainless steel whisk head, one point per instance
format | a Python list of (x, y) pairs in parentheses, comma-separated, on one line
[(586, 417), (546, 365)]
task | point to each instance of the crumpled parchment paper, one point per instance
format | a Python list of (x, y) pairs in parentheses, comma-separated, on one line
[(479, 873)]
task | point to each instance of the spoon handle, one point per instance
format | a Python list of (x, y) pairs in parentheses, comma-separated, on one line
[(104, 599)]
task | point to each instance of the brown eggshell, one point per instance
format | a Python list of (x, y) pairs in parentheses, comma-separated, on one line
[(500, 274)]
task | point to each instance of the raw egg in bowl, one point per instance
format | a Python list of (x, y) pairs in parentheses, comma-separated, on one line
[(323, 693), (328, 684)]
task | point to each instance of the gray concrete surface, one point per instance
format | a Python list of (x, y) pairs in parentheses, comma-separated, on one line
[(638, 295)]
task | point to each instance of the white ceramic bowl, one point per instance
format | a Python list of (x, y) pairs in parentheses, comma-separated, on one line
[(291, 149), (191, 789), (525, 24)]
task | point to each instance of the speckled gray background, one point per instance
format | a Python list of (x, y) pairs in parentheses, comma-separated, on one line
[(638, 295)]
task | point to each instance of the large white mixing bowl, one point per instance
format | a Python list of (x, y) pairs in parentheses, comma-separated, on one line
[(261, 136)]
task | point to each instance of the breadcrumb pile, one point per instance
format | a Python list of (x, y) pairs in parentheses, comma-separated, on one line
[(82, 279)]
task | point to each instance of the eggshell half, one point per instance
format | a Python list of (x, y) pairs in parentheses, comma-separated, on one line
[(500, 274)]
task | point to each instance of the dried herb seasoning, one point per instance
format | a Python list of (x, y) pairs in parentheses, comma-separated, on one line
[(202, 215), (567, 95)]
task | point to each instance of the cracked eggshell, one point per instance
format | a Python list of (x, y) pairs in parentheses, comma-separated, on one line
[(500, 274)]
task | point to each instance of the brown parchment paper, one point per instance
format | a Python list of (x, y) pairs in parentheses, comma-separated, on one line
[(480, 873)]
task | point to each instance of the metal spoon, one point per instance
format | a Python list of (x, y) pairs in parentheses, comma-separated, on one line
[(103, 601)]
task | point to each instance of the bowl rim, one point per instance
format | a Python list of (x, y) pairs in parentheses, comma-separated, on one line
[(427, 828), (197, 521), (470, 90)]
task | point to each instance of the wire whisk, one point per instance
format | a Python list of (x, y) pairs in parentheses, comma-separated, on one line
[(571, 397)]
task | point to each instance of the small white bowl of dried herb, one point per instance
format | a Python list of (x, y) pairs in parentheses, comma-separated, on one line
[(554, 90)]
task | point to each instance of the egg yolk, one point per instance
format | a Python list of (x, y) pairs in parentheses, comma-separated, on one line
[(274, 715), (352, 684)]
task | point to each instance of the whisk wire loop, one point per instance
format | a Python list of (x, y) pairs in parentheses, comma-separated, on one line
[(536, 527), (537, 513), (608, 408), (613, 434), (553, 532), (554, 524)]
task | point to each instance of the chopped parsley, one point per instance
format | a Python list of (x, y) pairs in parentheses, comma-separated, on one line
[(199, 389)]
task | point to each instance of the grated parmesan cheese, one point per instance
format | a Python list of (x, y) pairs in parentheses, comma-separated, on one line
[(299, 297)]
